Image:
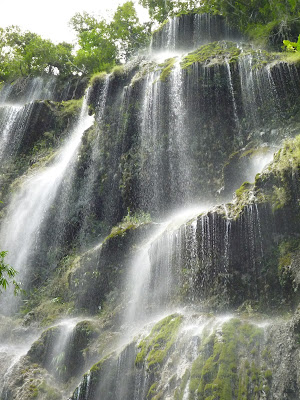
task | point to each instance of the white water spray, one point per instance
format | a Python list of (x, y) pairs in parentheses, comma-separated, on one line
[(30, 205)]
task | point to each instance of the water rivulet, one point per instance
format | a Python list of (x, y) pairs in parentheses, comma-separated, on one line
[(146, 275)]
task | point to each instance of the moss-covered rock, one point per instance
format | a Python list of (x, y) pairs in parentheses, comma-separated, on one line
[(167, 67), (216, 52), (221, 371), (155, 348)]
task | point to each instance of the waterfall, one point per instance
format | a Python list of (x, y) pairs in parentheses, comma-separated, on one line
[(16, 115), (91, 175), (152, 145), (231, 89), (191, 31), (30, 204), (258, 91), (178, 146), (166, 137), (57, 362), (153, 277)]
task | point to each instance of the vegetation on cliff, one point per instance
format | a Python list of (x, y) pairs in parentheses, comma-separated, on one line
[(101, 45), (7, 274)]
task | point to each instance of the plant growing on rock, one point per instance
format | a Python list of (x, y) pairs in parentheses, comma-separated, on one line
[(292, 46), (7, 274)]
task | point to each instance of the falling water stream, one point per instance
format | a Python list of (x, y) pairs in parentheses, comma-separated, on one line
[(30, 204), (15, 115)]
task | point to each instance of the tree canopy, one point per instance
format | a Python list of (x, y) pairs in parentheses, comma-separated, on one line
[(103, 44), (159, 10), (26, 53)]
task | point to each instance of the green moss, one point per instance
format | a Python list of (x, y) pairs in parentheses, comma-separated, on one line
[(268, 374), (223, 51), (130, 221), (119, 71), (212, 52), (216, 373), (290, 58), (141, 356), (155, 348), (288, 157), (255, 152), (167, 67), (242, 189), (98, 77), (276, 182), (70, 108), (275, 185), (144, 70), (152, 391)]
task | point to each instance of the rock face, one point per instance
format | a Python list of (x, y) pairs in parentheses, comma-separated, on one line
[(201, 304)]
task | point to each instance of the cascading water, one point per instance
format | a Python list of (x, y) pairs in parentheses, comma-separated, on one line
[(57, 360), (178, 147), (190, 31), (152, 277), (151, 143), (29, 206), (94, 164), (15, 115)]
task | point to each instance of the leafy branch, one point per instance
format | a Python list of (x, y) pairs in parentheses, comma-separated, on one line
[(292, 46), (7, 275)]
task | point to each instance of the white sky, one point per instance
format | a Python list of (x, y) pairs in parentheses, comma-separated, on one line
[(50, 18)]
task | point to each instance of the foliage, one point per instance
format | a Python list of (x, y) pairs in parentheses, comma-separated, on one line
[(130, 221), (292, 46), (128, 32), (242, 14), (26, 53), (7, 274), (258, 18), (97, 49), (159, 10), (102, 44)]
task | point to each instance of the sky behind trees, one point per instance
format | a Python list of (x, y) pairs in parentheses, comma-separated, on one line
[(50, 19)]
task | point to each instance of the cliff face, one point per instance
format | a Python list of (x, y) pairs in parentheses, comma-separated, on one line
[(201, 302)]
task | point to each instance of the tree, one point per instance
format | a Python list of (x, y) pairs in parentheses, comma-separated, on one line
[(7, 274), (98, 50), (159, 10), (243, 13), (128, 32), (26, 53), (103, 45)]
